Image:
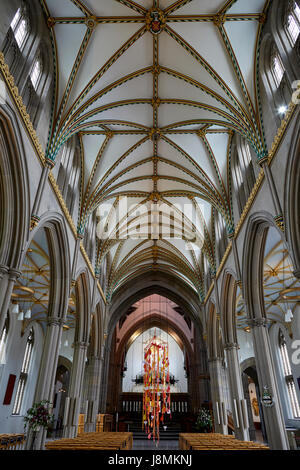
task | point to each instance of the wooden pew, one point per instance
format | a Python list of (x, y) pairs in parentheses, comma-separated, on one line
[(214, 441), (94, 441), (11, 441)]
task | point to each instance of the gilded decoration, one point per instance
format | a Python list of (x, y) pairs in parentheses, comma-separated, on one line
[(155, 21)]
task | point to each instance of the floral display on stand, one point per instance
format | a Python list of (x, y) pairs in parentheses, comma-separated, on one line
[(204, 421), (37, 417)]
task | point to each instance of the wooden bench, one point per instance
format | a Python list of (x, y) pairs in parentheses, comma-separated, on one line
[(94, 441), (11, 441), (214, 441)]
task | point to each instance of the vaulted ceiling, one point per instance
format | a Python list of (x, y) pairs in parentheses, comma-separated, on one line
[(155, 90)]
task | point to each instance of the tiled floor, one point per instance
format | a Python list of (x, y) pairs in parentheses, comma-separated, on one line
[(150, 445)]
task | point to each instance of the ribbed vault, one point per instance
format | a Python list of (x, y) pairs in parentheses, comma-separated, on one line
[(155, 91)]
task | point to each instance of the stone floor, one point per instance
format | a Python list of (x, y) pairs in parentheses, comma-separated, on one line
[(150, 445)]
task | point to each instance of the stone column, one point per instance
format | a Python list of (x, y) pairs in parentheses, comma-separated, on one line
[(75, 259), (252, 432), (105, 375), (217, 395), (274, 194), (238, 402), (73, 400), (273, 416), (49, 164), (46, 379), (236, 258), (8, 279), (93, 377)]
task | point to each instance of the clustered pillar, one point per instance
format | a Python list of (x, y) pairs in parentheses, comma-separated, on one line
[(73, 401), (216, 371), (274, 420), (238, 402)]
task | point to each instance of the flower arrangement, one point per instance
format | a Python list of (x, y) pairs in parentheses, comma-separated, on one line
[(38, 416), (204, 421)]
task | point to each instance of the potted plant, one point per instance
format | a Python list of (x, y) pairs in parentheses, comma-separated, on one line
[(204, 421), (37, 417)]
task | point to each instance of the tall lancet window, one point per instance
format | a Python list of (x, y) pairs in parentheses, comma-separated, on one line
[(277, 66), (3, 340), (36, 73), (293, 21), (288, 376), (20, 28), (24, 374)]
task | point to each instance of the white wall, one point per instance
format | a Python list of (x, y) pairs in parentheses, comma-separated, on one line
[(135, 357), (15, 349), (245, 342), (66, 345)]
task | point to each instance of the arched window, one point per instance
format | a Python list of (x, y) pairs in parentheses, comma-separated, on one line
[(34, 87), (20, 27), (243, 175), (36, 73), (15, 40), (3, 339), (220, 230), (277, 67), (288, 376), (292, 22), (68, 177), (24, 374)]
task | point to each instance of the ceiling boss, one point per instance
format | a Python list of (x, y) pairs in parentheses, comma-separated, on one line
[(155, 20)]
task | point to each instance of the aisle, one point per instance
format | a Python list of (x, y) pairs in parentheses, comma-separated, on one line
[(150, 445)]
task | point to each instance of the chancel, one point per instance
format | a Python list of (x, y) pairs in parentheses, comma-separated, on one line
[(149, 225)]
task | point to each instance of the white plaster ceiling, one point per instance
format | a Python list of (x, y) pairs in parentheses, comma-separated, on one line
[(118, 82)]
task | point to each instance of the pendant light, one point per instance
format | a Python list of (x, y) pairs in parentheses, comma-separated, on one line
[(28, 314), (21, 316), (288, 316), (15, 308)]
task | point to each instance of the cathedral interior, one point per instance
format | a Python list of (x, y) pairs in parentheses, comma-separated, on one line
[(150, 211)]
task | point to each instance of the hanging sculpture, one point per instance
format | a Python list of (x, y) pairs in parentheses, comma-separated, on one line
[(156, 397)]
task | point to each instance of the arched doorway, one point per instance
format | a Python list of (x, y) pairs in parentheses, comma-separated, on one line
[(156, 316), (61, 389), (252, 394)]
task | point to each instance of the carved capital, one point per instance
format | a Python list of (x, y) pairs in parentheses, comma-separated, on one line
[(297, 273), (3, 270), (230, 346), (14, 274), (81, 344), (34, 221), (257, 322), (263, 161), (279, 222), (49, 163), (214, 359), (54, 321)]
